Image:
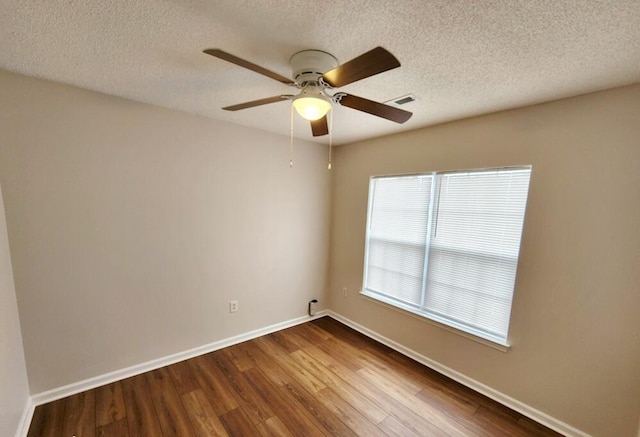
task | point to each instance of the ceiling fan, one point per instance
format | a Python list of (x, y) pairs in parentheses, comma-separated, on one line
[(315, 73)]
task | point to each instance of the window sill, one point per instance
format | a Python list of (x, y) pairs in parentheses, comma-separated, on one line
[(495, 344)]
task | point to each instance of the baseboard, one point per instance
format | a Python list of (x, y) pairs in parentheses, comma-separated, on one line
[(514, 404), (25, 420), (97, 381), (88, 384)]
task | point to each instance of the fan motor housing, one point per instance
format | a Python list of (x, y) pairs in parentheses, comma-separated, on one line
[(308, 65)]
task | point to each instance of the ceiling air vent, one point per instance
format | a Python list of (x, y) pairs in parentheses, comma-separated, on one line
[(402, 100)]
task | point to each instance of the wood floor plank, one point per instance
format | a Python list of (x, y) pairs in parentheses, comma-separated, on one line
[(297, 393), (238, 423), (369, 409), (411, 375), (471, 422), (433, 383), (449, 396), (48, 419), (351, 417), (285, 341), (390, 372), (534, 428), (276, 428), (109, 404), (454, 411), (307, 379), (239, 358), (295, 419), (499, 423), (183, 378), (204, 419), (415, 404), (333, 348), (394, 428), (350, 335), (265, 363), (450, 390), (211, 383), (445, 396), (79, 416), (313, 333), (412, 420), (141, 414), (320, 378), (117, 428), (257, 409), (169, 409)]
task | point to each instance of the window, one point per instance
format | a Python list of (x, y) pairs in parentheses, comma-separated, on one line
[(445, 245)]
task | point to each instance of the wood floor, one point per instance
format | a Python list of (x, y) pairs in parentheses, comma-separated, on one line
[(319, 378)]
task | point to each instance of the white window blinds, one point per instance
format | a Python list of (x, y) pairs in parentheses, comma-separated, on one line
[(446, 245), (399, 214)]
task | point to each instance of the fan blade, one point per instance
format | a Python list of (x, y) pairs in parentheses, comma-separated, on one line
[(374, 108), (319, 127), (253, 103), (248, 65), (368, 64)]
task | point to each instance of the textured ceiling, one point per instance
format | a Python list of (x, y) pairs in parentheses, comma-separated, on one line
[(459, 58)]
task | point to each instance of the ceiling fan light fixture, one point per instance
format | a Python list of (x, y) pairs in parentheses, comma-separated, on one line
[(311, 107), (315, 72)]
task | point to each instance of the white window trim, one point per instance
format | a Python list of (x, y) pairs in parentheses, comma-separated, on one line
[(495, 342), (408, 310)]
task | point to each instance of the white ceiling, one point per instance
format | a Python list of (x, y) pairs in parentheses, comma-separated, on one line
[(460, 58)]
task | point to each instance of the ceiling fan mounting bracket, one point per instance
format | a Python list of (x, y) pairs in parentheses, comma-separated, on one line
[(308, 66)]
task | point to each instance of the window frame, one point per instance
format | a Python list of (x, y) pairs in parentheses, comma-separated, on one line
[(419, 311)]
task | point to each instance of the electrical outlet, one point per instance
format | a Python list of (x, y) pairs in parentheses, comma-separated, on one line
[(344, 291), (233, 306)]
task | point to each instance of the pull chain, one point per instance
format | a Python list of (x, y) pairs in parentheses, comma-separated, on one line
[(291, 142), (330, 137)]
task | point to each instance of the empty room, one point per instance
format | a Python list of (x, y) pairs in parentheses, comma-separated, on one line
[(293, 218)]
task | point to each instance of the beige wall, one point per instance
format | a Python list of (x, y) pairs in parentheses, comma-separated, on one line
[(14, 391), (133, 226), (575, 328)]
